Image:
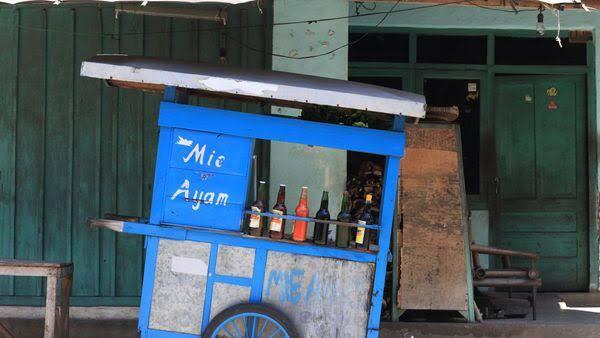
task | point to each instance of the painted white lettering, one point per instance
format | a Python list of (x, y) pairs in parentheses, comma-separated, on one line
[(219, 161), (184, 142), (197, 200), (200, 197), (198, 154), (210, 158), (222, 199), (183, 189), (209, 197)]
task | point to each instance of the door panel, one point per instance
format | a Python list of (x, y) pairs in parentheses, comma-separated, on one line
[(556, 140), (516, 139), (541, 199)]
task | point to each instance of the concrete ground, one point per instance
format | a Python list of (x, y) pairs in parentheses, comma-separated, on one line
[(572, 315), (559, 315)]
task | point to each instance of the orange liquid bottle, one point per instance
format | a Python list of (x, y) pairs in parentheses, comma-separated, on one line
[(299, 234)]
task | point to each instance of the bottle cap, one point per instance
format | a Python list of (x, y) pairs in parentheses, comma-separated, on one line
[(304, 187), (262, 182), (282, 185), (369, 197)]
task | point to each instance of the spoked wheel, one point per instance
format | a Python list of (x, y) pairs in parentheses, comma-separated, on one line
[(250, 321)]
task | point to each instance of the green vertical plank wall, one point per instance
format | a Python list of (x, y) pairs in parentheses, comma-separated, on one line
[(73, 148)]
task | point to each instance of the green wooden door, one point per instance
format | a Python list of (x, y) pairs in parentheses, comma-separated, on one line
[(541, 180)]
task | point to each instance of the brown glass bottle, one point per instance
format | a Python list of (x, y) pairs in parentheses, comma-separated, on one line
[(277, 225), (322, 229), (366, 218), (342, 237), (256, 223)]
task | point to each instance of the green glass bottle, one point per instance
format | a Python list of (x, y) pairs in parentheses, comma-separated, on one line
[(342, 238), (322, 229)]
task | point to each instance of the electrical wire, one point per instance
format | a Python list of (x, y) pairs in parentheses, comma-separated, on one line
[(386, 14), (212, 29), (324, 53), (474, 3), (223, 30)]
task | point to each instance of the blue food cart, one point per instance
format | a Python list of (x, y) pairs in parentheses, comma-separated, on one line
[(203, 276)]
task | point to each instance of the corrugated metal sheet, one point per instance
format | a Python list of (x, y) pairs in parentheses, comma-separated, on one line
[(71, 148)]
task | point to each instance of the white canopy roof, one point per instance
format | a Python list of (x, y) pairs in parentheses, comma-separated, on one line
[(264, 85)]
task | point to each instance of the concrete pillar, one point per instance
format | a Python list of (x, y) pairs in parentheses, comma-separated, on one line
[(296, 165)]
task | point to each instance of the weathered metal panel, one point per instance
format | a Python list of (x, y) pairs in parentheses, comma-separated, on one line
[(235, 261), (331, 294), (179, 286), (80, 149), (227, 295)]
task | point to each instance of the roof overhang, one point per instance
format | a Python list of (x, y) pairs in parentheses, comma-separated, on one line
[(287, 89)]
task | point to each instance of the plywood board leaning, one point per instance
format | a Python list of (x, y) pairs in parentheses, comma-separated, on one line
[(433, 262)]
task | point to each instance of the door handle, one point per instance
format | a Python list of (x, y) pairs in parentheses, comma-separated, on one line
[(497, 185)]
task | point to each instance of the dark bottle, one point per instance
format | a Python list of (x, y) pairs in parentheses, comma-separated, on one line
[(366, 218), (321, 229), (277, 225), (255, 226), (342, 238)]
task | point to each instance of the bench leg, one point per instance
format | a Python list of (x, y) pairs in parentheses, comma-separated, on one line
[(65, 286), (51, 295)]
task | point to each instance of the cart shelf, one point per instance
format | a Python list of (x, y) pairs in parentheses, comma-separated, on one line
[(314, 220)]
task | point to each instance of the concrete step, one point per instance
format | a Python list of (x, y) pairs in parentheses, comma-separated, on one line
[(489, 329)]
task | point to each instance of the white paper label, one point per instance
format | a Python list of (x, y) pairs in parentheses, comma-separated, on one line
[(255, 219), (360, 233), (276, 222), (190, 266), (472, 87)]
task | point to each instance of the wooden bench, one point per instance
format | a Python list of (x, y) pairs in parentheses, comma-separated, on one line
[(507, 276), (57, 317)]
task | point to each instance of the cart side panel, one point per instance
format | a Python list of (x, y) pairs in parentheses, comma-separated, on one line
[(201, 178), (324, 297), (179, 286), (235, 261), (226, 295)]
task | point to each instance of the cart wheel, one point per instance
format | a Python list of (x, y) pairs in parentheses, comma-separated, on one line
[(251, 321)]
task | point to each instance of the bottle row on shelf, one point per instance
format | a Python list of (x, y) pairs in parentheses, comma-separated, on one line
[(350, 233)]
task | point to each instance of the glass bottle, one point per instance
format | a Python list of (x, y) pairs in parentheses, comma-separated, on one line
[(322, 229), (277, 225), (342, 238), (366, 218), (255, 226), (299, 234)]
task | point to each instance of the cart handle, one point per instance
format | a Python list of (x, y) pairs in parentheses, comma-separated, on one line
[(105, 223)]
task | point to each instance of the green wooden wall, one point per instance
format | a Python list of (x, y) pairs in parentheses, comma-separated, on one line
[(73, 148)]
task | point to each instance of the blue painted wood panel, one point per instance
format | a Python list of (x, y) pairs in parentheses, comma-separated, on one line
[(210, 152), (204, 180), (381, 142)]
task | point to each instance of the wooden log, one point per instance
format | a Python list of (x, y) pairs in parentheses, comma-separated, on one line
[(447, 114), (502, 252), (507, 282)]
